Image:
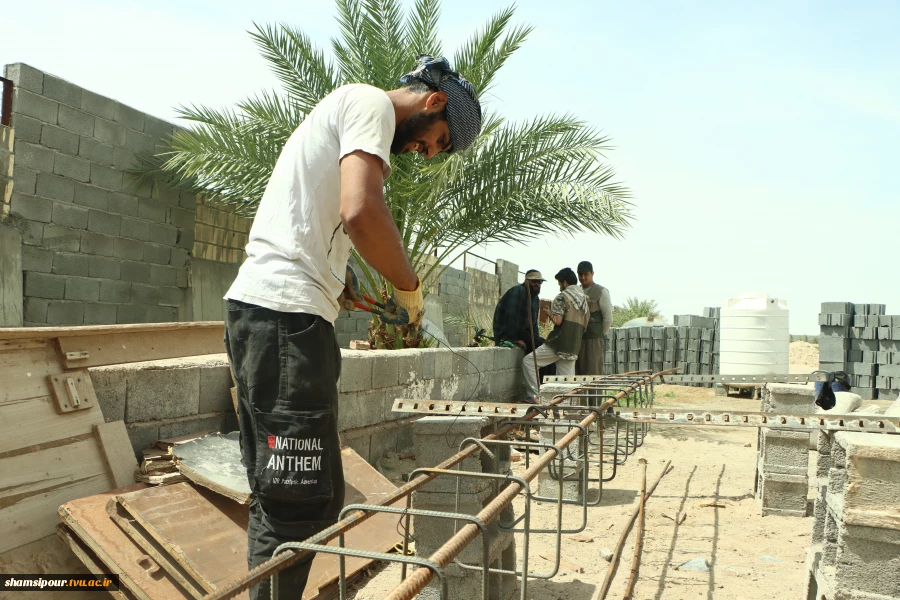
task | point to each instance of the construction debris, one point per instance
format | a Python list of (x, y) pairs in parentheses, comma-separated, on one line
[(214, 461)]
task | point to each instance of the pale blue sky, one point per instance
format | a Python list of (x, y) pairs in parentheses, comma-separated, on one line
[(760, 141)]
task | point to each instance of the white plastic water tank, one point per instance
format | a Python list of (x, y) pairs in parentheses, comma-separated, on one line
[(754, 336)]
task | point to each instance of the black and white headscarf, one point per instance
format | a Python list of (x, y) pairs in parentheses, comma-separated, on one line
[(463, 108)]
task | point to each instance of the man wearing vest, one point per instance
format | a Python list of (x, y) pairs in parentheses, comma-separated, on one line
[(590, 357), (570, 315)]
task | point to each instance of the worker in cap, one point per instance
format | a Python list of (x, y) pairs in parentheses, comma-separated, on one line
[(325, 197), (590, 357), (514, 323)]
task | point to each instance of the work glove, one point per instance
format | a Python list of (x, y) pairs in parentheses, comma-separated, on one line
[(411, 302), (351, 291)]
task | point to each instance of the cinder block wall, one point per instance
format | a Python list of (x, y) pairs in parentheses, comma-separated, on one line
[(168, 398), (96, 248), (454, 292)]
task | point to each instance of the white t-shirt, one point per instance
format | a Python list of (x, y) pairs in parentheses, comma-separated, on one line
[(298, 250)]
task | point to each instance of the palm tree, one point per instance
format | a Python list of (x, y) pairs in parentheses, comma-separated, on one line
[(633, 309), (518, 181)]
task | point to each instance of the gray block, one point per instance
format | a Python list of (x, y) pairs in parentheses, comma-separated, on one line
[(163, 234), (109, 132), (837, 307), (135, 272), (27, 128), (100, 314), (860, 368), (25, 77), (215, 388), (82, 289), (25, 180), (106, 177), (59, 139), (72, 168), (781, 494), (105, 268), (31, 207), (125, 205), (43, 285), (61, 238), (55, 187), (35, 106), (98, 105), (36, 310), (62, 91), (834, 332), (889, 394), (170, 296), (157, 254), (35, 157), (67, 264), (152, 210), (213, 422), (104, 222), (162, 393), (135, 229), (163, 275), (834, 344), (94, 151), (60, 312), (865, 393), (178, 257), (75, 120), (110, 385), (95, 243), (129, 249), (69, 215), (129, 117), (861, 320), (91, 196)]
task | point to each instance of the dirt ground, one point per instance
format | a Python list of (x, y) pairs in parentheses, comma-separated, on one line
[(804, 353), (711, 482)]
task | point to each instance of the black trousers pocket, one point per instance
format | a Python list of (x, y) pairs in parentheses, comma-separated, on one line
[(292, 456)]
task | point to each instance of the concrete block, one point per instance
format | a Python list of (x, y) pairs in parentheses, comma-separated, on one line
[(178, 257), (161, 314), (36, 310), (215, 387), (890, 394), (95, 243), (106, 177), (35, 157), (356, 370), (76, 121), (163, 275), (152, 210), (104, 222), (94, 151), (68, 215), (868, 560), (59, 139), (64, 263), (109, 132), (185, 239), (104, 268), (889, 370), (837, 307), (25, 77), (208, 422), (163, 234), (789, 398), (157, 254), (135, 229), (132, 313), (73, 168), (91, 196), (171, 297), (78, 288), (98, 105), (162, 390), (61, 238), (129, 117), (37, 259), (62, 91), (784, 451), (180, 217), (31, 207), (25, 180), (142, 435), (100, 314), (54, 187), (60, 312), (130, 250), (42, 285), (110, 385), (35, 106), (385, 369), (781, 494), (27, 129)]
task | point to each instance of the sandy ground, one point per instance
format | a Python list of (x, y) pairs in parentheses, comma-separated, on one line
[(804, 353), (750, 557)]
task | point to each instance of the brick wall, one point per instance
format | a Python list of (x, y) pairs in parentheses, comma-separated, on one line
[(97, 249), (453, 288), (484, 290)]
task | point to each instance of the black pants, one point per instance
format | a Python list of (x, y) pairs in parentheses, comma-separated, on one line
[(286, 366)]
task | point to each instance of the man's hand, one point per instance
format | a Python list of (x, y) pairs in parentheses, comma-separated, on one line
[(557, 319), (412, 302), (522, 344)]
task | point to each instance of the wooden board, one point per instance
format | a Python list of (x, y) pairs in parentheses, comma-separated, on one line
[(117, 452), (88, 558), (88, 519), (36, 480), (168, 443), (214, 461), (34, 421), (124, 347), (155, 551), (72, 390), (18, 333), (23, 373)]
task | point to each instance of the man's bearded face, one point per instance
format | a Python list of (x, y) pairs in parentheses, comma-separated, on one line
[(426, 133)]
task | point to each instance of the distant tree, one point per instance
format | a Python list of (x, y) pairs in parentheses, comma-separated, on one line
[(634, 309)]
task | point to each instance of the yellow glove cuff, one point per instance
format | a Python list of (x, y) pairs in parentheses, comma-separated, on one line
[(412, 302)]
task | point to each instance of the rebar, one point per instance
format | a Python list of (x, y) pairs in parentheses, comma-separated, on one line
[(639, 536)]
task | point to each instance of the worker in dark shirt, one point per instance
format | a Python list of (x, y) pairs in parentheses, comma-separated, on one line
[(511, 317)]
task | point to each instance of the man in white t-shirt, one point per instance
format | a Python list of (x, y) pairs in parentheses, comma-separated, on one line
[(325, 196)]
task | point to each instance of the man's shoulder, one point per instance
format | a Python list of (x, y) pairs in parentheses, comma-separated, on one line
[(359, 94)]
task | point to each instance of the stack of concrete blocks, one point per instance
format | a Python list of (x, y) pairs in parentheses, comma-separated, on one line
[(97, 248), (782, 478), (572, 471), (454, 293), (437, 439), (700, 355), (856, 532), (863, 341)]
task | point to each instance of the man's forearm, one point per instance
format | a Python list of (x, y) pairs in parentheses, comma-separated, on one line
[(374, 233)]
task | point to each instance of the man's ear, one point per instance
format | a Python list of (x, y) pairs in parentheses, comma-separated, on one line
[(436, 101)]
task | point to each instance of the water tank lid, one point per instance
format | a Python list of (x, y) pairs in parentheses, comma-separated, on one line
[(754, 301)]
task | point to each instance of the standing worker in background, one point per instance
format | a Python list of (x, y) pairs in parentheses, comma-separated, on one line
[(513, 322), (324, 197), (590, 357), (570, 314)]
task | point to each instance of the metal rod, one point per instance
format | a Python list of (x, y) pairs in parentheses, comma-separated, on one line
[(6, 106), (791, 378), (639, 536), (419, 578), (611, 571)]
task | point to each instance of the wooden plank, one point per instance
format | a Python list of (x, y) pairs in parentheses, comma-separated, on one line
[(35, 483), (34, 421), (206, 543), (18, 333), (155, 551), (117, 452), (168, 443), (72, 390), (125, 347), (27, 344), (88, 519), (214, 461), (23, 373), (88, 558)]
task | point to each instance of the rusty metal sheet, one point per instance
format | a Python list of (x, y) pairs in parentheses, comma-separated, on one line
[(214, 461), (87, 519), (206, 532)]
